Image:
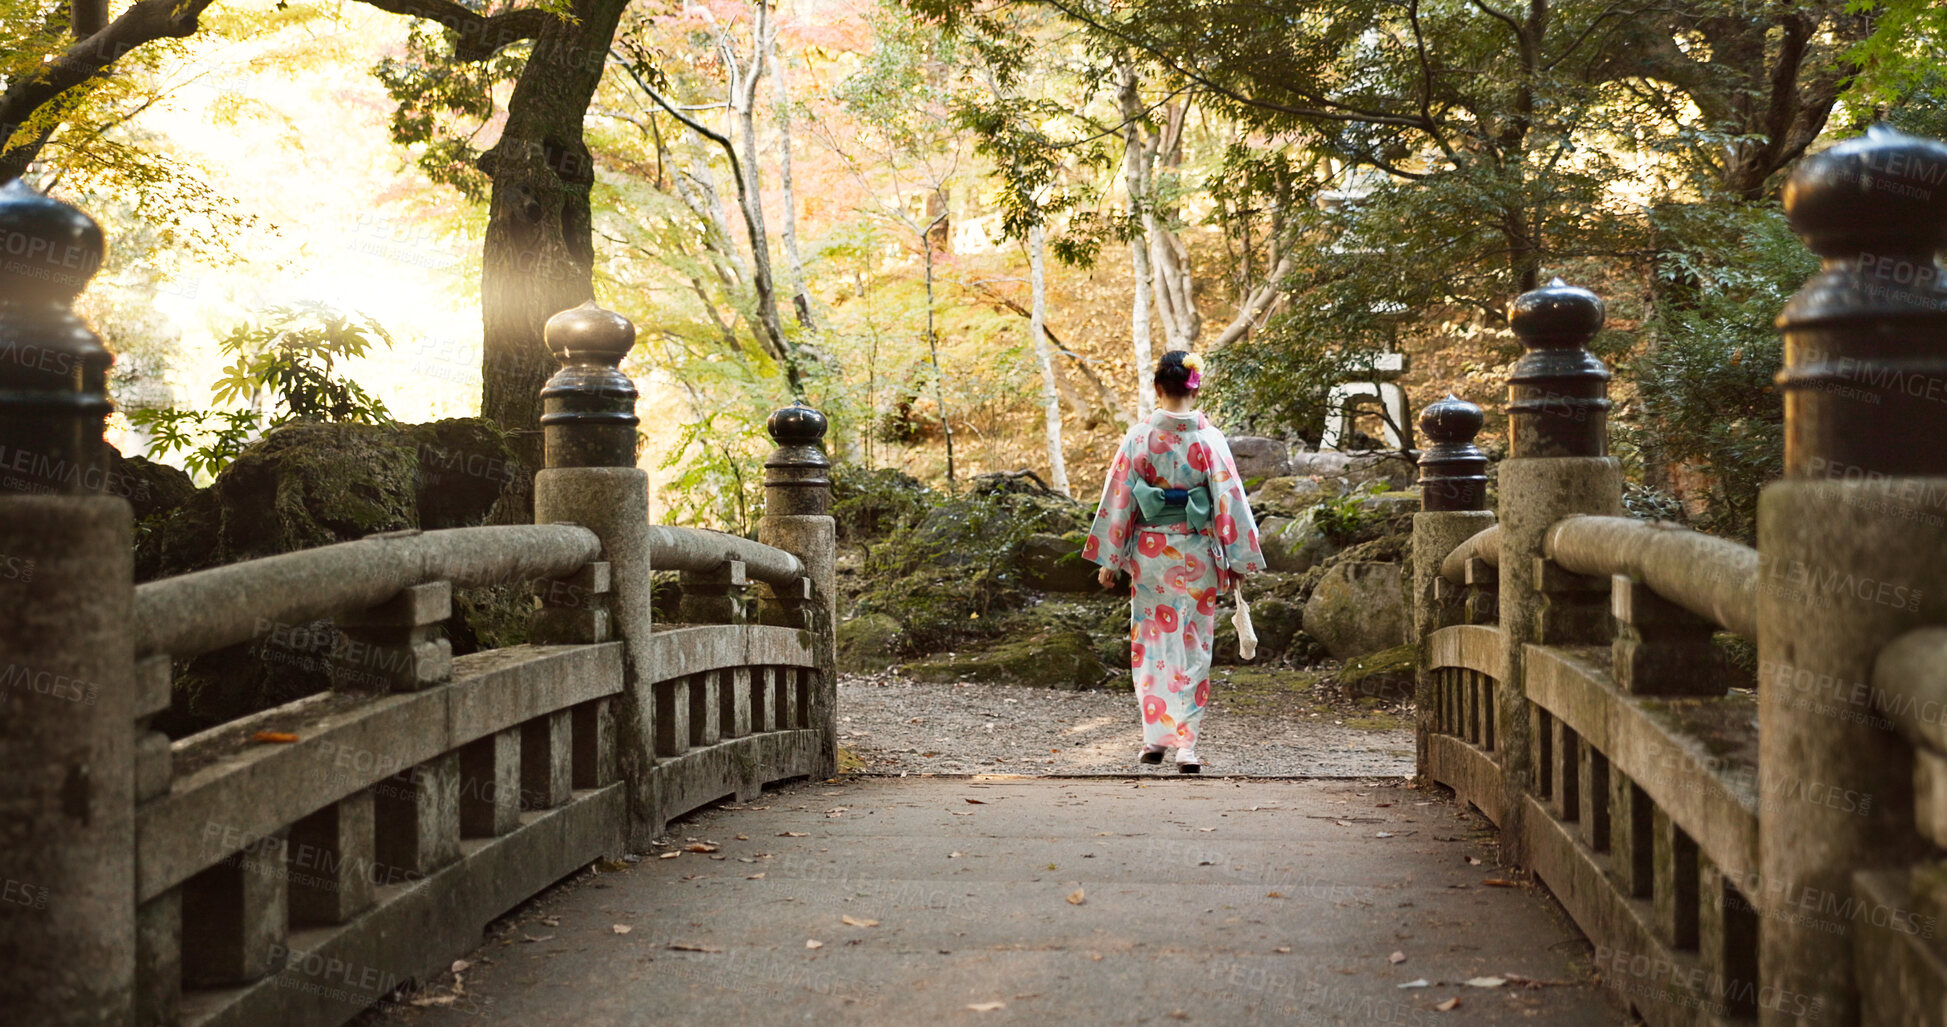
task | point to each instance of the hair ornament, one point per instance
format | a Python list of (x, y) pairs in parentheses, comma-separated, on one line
[(1195, 380), (1193, 362)]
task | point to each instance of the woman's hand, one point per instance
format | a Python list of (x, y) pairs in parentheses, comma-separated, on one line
[(1106, 576)]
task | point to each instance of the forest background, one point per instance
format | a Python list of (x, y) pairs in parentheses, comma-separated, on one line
[(961, 228)]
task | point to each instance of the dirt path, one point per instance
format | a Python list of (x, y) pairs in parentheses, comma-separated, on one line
[(1260, 724)]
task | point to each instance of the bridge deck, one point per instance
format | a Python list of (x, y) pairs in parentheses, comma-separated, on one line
[(1211, 900)]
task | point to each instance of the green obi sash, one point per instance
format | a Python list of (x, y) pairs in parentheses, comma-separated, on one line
[(1163, 506)]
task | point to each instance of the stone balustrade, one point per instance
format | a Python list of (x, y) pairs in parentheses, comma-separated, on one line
[(301, 864), (1738, 850)]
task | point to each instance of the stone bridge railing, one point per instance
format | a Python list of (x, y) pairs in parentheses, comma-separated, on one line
[(1774, 852), (301, 864)]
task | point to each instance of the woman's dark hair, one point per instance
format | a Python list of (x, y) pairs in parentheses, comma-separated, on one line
[(1171, 376)]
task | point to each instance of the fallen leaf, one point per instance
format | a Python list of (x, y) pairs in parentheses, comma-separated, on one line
[(1274, 895), (1486, 982), (1449, 1005), (791, 834), (1206, 829), (963, 814), (953, 855), (1076, 898), (1178, 1014), (1473, 861), (813, 943), (978, 802), (274, 736), (753, 877), (528, 937), (1396, 958), (460, 965), (671, 854), (986, 1007), (426, 1001), (702, 847), (683, 946), (1283, 948), (1495, 882), (621, 928), (857, 921), (1343, 823), (551, 921), (1421, 983), (743, 837), (1382, 834)]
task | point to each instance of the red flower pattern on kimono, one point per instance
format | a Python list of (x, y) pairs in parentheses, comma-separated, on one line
[(1177, 573)]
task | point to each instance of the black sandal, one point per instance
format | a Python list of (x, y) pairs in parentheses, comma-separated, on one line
[(1189, 768), (1149, 755)]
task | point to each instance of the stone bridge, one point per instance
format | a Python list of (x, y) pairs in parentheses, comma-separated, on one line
[(1616, 818)]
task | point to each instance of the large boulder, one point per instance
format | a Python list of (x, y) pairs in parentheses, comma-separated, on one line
[(1358, 607), (305, 485), (1258, 457), (1275, 620), (1058, 659), (1286, 497), (152, 489), (867, 643), (1053, 563), (1293, 545), (1352, 470)]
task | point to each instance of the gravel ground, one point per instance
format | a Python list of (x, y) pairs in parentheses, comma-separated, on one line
[(896, 726)]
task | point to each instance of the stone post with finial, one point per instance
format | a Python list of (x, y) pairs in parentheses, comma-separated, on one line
[(1852, 555), (797, 519), (67, 715), (1558, 464), (1453, 507), (588, 427)]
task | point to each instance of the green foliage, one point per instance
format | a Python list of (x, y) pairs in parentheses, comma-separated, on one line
[(870, 503), (443, 103), (1344, 518), (716, 481), (949, 572), (1705, 395), (288, 363)]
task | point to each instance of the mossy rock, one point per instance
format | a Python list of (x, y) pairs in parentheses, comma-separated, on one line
[(867, 643), (1388, 674), (1275, 620), (1287, 496), (1062, 660), (1053, 563), (305, 485)]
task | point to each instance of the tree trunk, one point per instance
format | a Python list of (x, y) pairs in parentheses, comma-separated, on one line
[(788, 228), (1050, 394), (1135, 181), (539, 253)]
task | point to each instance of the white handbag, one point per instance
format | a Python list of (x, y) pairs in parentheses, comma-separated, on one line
[(1246, 634)]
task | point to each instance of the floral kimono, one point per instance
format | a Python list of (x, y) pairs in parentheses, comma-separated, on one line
[(1182, 549)]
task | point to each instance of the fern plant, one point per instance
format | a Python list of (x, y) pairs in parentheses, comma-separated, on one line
[(281, 370)]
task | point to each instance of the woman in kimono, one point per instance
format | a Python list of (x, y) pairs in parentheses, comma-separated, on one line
[(1173, 516)]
